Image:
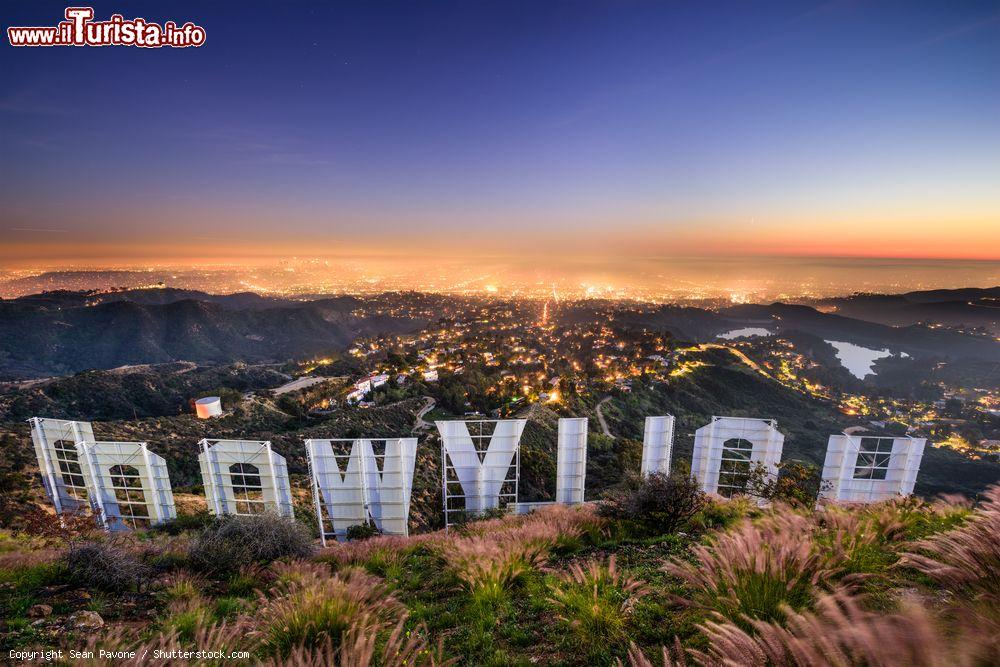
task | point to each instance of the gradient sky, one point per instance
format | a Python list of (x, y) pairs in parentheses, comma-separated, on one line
[(660, 128)]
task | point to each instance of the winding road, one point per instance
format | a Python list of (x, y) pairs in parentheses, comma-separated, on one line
[(428, 406), (600, 416)]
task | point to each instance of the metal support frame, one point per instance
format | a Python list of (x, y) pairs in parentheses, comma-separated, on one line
[(50, 464), (889, 467), (101, 458), (274, 496), (506, 499), (370, 492), (716, 466)]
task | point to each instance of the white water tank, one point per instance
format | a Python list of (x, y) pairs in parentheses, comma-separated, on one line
[(210, 406)]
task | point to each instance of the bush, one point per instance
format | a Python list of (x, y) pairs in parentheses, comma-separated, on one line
[(38, 522), (106, 566), (796, 483), (362, 531), (842, 632), (965, 559), (184, 523), (658, 503), (720, 513), (461, 521), (233, 542)]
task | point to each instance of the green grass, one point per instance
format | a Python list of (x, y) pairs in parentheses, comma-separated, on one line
[(924, 524), (540, 617), (242, 584), (22, 585), (229, 607), (188, 621)]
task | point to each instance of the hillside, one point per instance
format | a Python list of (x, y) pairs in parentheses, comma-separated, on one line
[(659, 575), (969, 307), (724, 386), (56, 333), (134, 392), (59, 334), (904, 335), (915, 340)]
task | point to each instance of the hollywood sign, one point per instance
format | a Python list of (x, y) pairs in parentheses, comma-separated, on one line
[(370, 480)]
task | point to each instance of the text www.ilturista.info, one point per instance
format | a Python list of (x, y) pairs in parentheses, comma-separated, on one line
[(79, 29)]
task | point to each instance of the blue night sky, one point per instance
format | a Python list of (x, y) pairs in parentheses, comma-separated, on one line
[(674, 127)]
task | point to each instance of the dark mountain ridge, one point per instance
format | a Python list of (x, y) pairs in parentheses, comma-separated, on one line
[(40, 339), (915, 340), (968, 307)]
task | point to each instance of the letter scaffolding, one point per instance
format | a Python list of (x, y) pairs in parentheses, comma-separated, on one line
[(244, 477), (727, 449), (131, 488), (359, 486), (59, 461), (571, 461), (126, 485), (657, 444), (865, 468), (477, 458)]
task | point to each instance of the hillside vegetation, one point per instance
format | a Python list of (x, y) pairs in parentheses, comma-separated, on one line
[(723, 582), (52, 336)]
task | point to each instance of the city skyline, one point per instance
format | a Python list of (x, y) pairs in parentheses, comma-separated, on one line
[(469, 129)]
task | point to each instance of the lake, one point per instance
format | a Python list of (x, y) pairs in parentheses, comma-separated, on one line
[(748, 332), (856, 359)]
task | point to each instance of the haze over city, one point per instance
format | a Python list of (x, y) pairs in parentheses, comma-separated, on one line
[(554, 132)]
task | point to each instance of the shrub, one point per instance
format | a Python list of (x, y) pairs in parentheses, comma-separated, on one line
[(187, 618), (106, 566), (224, 638), (796, 483), (383, 547), (247, 580), (362, 531), (721, 513), (184, 523), (920, 518), (462, 520), (309, 608), (229, 607), (758, 571), (658, 503), (183, 586), (596, 601), (39, 522), (489, 566), (233, 542)]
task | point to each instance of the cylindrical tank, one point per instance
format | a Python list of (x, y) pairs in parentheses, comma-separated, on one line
[(210, 406)]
